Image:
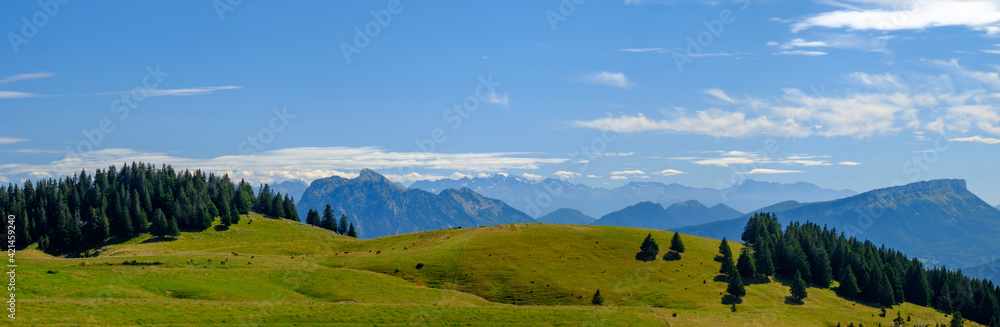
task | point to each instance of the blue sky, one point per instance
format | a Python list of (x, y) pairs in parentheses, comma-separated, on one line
[(856, 94)]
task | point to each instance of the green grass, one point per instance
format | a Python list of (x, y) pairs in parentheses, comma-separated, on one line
[(525, 274)]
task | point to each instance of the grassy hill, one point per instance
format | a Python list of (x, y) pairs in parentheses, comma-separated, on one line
[(524, 274)]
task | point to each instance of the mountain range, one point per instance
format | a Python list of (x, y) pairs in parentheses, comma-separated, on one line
[(939, 220), (293, 188), (540, 197), (653, 215), (378, 207)]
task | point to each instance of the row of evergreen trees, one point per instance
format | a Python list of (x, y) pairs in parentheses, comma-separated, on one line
[(867, 273), (86, 211), (329, 221)]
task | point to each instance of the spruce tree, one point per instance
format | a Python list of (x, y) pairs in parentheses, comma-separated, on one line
[(98, 229), (329, 222), (648, 249), (916, 287), (312, 217), (159, 226), (138, 214), (735, 287), (956, 319), (598, 299), (342, 227), (848, 283), (224, 217), (745, 264), (883, 292), (676, 244), (798, 287), (351, 232), (764, 261), (727, 258), (174, 230)]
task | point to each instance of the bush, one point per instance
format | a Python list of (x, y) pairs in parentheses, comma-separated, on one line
[(420, 265)]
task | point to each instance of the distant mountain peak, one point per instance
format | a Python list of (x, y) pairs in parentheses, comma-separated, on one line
[(369, 175)]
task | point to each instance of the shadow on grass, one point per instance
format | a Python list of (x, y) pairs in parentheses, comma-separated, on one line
[(791, 300), (159, 239), (672, 256), (728, 299), (221, 228)]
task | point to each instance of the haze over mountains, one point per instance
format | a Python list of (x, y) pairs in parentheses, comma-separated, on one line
[(938, 220), (538, 198), (653, 215)]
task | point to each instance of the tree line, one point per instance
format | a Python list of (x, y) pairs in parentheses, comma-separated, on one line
[(808, 253), (85, 211), (329, 222)]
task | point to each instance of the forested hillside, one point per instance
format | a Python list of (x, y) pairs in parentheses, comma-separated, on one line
[(82, 212)]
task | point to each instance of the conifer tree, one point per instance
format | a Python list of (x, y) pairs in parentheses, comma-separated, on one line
[(312, 218), (138, 215), (745, 264), (848, 283), (98, 229), (174, 230), (351, 232), (598, 299), (648, 250), (764, 261), (342, 227), (735, 287), (727, 258), (159, 225), (956, 319), (676, 244), (798, 287), (329, 222)]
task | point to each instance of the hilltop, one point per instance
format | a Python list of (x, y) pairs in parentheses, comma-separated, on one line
[(531, 274)]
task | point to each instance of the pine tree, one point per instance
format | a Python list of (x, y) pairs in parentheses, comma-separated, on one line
[(98, 229), (648, 250), (745, 264), (138, 215), (916, 288), (174, 230), (224, 216), (848, 283), (159, 227), (883, 291), (735, 287), (234, 216), (329, 222), (798, 288), (956, 319), (342, 227), (676, 244), (764, 261), (727, 258), (312, 218), (598, 299), (351, 232)]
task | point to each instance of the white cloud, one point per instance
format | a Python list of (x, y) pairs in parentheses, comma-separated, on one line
[(15, 95), (719, 94), (617, 178), (885, 81), (802, 53), (306, 163), (178, 92), (800, 43), (9, 140), (566, 174), (669, 172), (498, 100), (618, 79), (714, 122), (848, 163), (771, 171), (34, 151), (731, 158), (628, 172), (593, 176), (613, 154), (891, 15), (4, 179), (533, 177), (640, 50), (20, 77), (977, 138), (988, 78)]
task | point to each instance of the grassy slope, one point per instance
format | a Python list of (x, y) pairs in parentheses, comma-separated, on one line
[(550, 271)]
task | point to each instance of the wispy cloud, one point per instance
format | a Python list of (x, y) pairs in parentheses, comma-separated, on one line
[(499, 100), (618, 80), (731, 158), (9, 140), (178, 92), (37, 151), (669, 172), (977, 138), (801, 53), (21, 77), (719, 94), (15, 95), (628, 172), (640, 50), (849, 163)]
